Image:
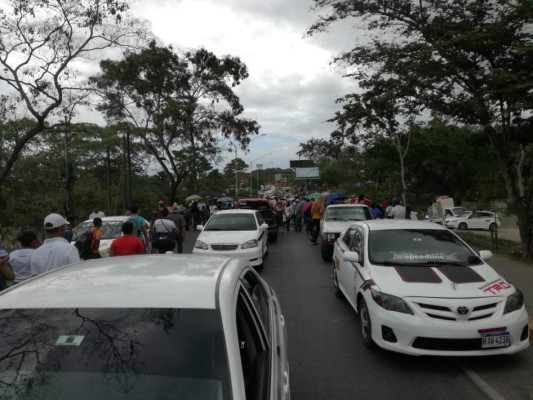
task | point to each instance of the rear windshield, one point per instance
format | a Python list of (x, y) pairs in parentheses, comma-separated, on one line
[(112, 354), (348, 214), (231, 222)]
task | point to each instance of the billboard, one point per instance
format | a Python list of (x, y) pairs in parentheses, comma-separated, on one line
[(307, 173)]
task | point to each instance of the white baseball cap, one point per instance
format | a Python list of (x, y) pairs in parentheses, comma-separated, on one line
[(54, 221)]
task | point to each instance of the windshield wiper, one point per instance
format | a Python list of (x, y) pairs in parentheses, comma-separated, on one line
[(336, 219)]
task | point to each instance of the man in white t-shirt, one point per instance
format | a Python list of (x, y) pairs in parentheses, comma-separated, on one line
[(398, 211), (96, 214), (56, 251)]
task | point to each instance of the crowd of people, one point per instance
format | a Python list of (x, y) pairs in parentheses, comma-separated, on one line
[(164, 232)]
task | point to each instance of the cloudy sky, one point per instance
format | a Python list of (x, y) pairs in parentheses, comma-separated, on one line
[(292, 87)]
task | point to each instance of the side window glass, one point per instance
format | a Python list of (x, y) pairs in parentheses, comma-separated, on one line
[(357, 242), (259, 218), (348, 237), (253, 352), (259, 298)]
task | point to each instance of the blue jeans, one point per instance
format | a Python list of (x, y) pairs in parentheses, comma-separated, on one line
[(179, 244)]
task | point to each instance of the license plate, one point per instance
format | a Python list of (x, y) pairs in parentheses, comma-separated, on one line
[(495, 340)]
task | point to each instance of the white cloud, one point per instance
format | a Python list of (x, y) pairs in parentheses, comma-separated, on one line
[(291, 89)]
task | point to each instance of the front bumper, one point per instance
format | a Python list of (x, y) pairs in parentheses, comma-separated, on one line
[(253, 256), (420, 335)]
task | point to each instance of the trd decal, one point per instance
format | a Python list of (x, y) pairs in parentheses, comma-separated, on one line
[(495, 287)]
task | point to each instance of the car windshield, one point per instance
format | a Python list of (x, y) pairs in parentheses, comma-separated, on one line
[(110, 229), (466, 214), (348, 214), (76, 353), (419, 247), (231, 222), (254, 205)]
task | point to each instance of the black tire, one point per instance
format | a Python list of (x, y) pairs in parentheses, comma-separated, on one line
[(336, 288), (462, 226), (260, 267), (274, 237), (366, 324), (325, 251)]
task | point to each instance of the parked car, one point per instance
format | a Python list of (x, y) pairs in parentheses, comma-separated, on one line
[(236, 233), (474, 220), (152, 327), (335, 220), (111, 229), (420, 290), (266, 211)]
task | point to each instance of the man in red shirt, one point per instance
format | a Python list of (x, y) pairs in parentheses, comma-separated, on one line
[(128, 244)]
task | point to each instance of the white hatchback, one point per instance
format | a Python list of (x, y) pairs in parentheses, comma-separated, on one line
[(420, 290), (236, 233), (474, 220)]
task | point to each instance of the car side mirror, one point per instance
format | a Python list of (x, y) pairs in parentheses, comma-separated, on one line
[(264, 226), (485, 254), (199, 227), (351, 256)]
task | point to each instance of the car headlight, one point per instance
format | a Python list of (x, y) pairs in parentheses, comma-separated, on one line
[(331, 236), (514, 302), (390, 302), (201, 245), (249, 244)]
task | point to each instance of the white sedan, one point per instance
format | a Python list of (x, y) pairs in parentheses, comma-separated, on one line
[(474, 220), (144, 327), (237, 233), (420, 290)]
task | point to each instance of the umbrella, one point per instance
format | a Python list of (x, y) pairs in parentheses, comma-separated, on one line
[(225, 199), (334, 197), (306, 206), (314, 196), (193, 197)]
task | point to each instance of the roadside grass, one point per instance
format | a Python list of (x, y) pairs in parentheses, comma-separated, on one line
[(504, 247)]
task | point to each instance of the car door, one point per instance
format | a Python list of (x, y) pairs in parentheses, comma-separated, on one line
[(475, 221), (273, 324), (344, 271), (354, 270)]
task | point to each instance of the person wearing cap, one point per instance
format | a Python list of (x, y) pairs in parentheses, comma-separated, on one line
[(6, 274), (56, 251), (20, 260)]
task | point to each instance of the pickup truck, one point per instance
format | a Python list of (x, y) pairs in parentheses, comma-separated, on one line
[(448, 213), (336, 219), (266, 211)]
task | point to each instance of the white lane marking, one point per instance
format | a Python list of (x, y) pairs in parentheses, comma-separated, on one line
[(481, 384)]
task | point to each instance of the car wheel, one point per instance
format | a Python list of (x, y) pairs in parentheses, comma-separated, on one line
[(492, 227), (462, 226), (260, 267), (366, 323), (325, 251), (336, 288)]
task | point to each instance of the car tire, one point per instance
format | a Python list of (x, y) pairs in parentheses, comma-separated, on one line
[(492, 226), (260, 267), (325, 251), (366, 324), (275, 237), (336, 288), (462, 226)]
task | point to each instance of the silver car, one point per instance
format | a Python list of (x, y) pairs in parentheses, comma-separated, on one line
[(144, 327)]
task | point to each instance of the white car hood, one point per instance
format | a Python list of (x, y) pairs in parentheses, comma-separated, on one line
[(336, 226), (227, 237), (451, 282)]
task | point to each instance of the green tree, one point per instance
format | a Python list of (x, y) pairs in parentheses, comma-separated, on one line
[(467, 60), (179, 104), (40, 43)]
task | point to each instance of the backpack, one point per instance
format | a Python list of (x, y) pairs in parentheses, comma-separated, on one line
[(83, 244)]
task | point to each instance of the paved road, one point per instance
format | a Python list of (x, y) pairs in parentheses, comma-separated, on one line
[(328, 360)]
